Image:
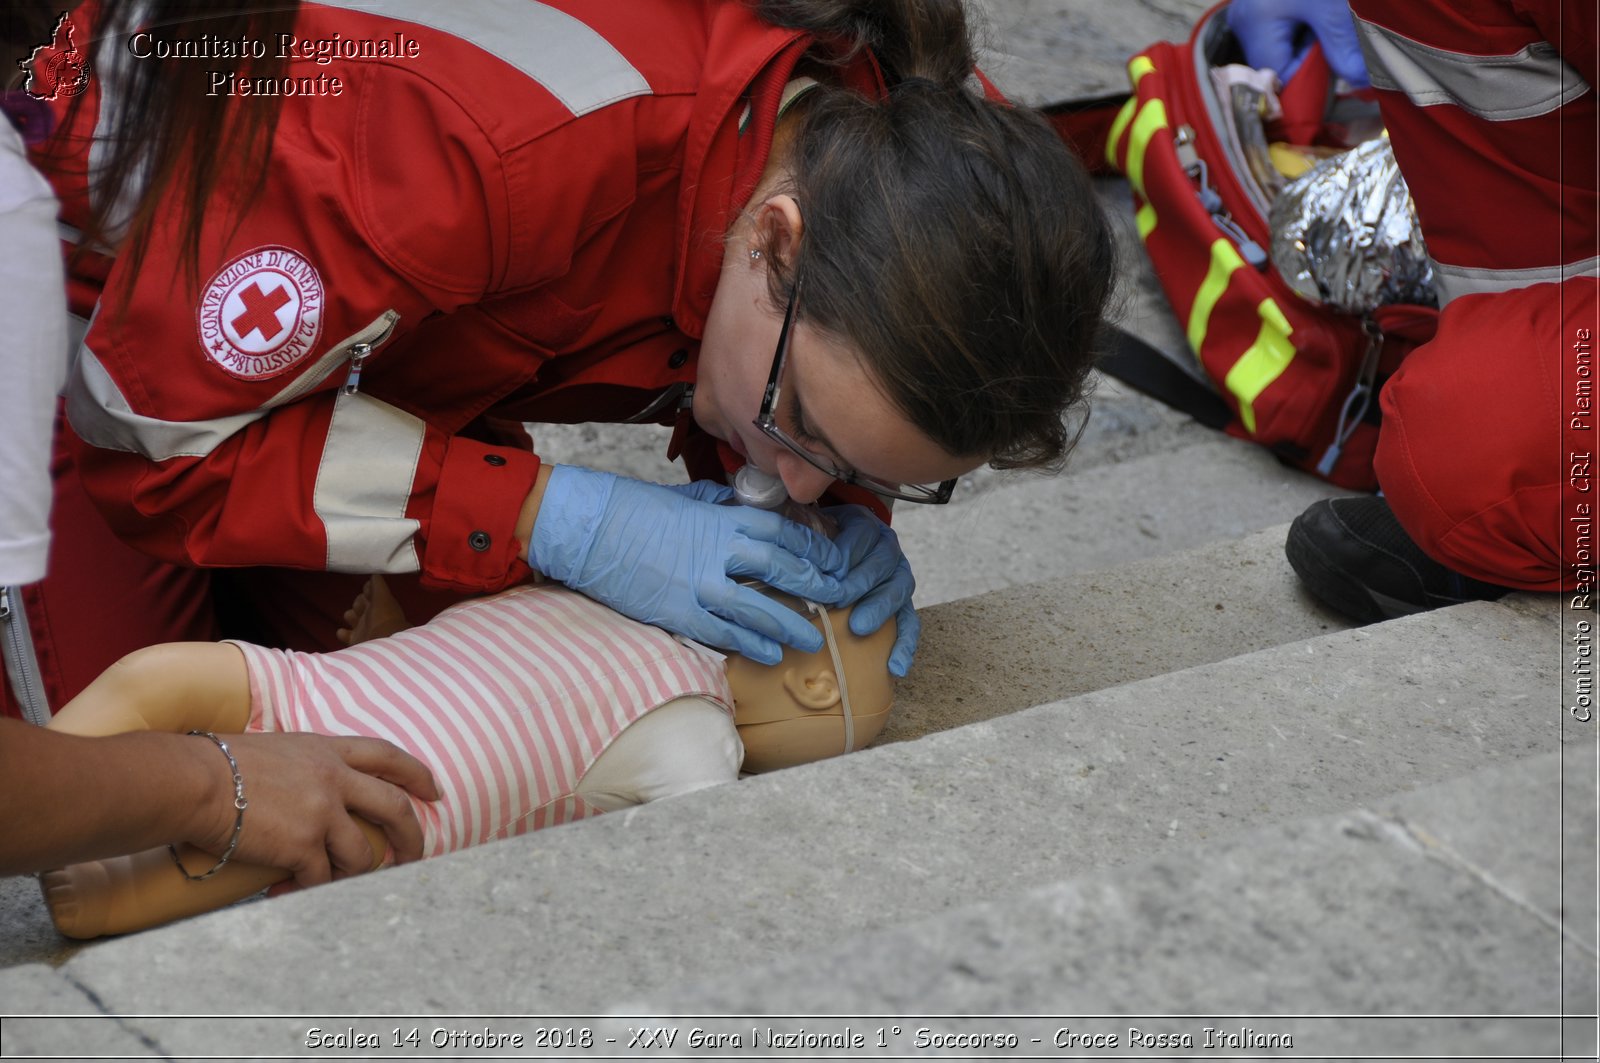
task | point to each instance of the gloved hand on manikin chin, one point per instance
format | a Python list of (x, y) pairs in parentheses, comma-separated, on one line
[(1276, 34), (669, 556), (877, 582)]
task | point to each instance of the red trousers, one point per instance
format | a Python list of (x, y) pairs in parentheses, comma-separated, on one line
[(1484, 447), (1489, 428)]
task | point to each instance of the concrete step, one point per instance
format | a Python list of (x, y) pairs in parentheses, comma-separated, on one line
[(1037, 529), (575, 919), (1448, 900), (1007, 650), (1041, 51)]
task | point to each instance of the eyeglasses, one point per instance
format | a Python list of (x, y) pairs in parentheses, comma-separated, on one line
[(929, 494)]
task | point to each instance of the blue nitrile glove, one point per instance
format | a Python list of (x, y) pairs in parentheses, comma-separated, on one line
[(668, 556), (1269, 31), (878, 582)]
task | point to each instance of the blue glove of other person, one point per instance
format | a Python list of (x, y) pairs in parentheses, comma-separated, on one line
[(1271, 34), (669, 556), (878, 582)]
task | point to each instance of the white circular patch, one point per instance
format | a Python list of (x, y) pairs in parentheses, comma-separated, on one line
[(261, 313)]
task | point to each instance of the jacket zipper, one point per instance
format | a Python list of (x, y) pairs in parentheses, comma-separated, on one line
[(358, 358), (22, 664), (355, 350)]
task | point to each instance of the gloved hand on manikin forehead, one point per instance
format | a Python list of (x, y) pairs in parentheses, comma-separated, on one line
[(1276, 34), (877, 582), (671, 556)]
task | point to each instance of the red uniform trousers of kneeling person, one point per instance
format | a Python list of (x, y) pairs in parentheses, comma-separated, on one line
[(1489, 429)]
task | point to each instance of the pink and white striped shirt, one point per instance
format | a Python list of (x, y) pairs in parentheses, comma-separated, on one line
[(509, 699)]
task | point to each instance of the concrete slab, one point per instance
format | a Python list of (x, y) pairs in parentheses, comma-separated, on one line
[(1041, 51), (26, 935), (1007, 650), (574, 919), (1354, 914), (36, 990), (1105, 516)]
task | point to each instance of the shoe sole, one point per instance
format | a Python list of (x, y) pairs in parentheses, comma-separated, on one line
[(1337, 588)]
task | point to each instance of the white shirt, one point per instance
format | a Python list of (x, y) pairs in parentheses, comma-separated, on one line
[(33, 358)]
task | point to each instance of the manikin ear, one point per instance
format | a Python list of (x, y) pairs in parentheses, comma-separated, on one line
[(812, 688), (777, 226)]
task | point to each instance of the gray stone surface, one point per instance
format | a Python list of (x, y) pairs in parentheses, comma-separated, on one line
[(37, 990), (1108, 515), (1041, 51), (26, 935), (727, 879), (1363, 913), (996, 653)]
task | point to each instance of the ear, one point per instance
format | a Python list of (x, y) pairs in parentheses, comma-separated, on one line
[(812, 688), (778, 226)]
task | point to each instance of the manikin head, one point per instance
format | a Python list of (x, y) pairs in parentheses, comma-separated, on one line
[(794, 712)]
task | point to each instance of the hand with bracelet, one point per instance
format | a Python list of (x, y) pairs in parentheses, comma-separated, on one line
[(72, 798)]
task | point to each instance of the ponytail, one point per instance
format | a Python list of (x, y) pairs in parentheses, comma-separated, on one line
[(925, 39)]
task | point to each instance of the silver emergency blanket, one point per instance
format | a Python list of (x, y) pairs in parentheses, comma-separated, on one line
[(1345, 233)]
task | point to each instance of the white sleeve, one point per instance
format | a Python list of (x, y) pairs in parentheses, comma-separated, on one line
[(687, 744), (33, 358)]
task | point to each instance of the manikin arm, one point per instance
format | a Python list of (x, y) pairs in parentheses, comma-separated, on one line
[(176, 688)]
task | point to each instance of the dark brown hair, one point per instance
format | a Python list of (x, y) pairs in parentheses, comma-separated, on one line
[(952, 240), (171, 147)]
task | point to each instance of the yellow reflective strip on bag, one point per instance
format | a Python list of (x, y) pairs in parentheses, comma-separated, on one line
[(1138, 67), (1225, 259), (1262, 363), (1152, 116), (1118, 127), (1145, 219)]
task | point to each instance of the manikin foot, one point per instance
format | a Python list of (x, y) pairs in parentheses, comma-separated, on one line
[(128, 893), (375, 614), (84, 898)]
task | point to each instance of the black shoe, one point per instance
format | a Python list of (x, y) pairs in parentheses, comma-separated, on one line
[(1353, 555)]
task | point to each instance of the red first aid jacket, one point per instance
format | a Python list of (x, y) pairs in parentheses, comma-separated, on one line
[(517, 212)]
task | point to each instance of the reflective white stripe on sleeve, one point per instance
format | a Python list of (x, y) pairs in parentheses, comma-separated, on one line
[(363, 484), (576, 64), (1452, 282), (1497, 88), (102, 416)]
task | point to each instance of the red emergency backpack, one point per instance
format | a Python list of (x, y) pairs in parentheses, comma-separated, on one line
[(1294, 376)]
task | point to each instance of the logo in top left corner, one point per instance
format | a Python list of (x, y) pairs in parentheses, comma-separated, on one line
[(58, 69)]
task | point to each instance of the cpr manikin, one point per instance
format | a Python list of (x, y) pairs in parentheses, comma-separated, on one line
[(673, 724)]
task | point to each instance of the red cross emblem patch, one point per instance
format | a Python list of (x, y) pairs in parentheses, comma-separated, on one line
[(261, 313)]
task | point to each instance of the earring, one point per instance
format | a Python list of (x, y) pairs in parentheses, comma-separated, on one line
[(755, 254)]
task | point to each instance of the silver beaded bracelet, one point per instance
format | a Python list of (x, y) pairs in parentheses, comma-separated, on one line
[(239, 804)]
